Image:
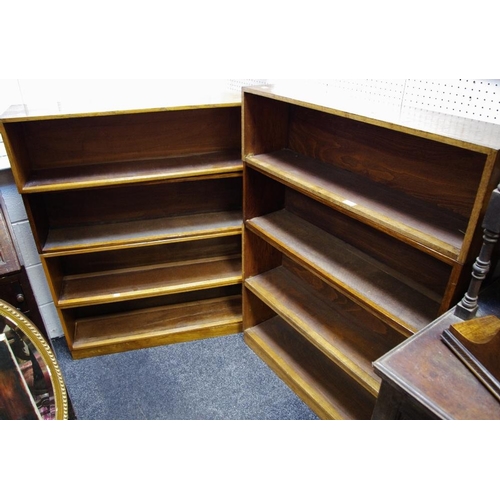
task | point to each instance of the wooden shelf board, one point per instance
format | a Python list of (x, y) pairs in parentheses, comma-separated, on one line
[(148, 281), (326, 390), (146, 170), (436, 231), (126, 234), (157, 326), (400, 303), (326, 325)]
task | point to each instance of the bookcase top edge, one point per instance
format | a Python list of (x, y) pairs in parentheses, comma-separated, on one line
[(24, 112), (461, 131)]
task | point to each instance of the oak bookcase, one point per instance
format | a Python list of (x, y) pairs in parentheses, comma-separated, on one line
[(360, 228), (137, 217)]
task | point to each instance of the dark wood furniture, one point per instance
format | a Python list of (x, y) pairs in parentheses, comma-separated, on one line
[(423, 379), (136, 214), (361, 226), (15, 287)]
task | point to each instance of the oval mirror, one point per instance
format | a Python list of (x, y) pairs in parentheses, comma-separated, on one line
[(31, 383)]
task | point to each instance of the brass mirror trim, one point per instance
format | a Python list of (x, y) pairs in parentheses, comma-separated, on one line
[(27, 327)]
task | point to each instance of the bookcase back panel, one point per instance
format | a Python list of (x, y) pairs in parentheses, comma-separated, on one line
[(149, 201), (444, 175), (151, 303), (428, 272), (345, 309), (153, 255), (96, 139), (431, 274)]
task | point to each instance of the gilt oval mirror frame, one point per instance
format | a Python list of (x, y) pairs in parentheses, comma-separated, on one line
[(37, 363)]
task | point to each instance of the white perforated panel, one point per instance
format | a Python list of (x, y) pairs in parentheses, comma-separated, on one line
[(379, 91), (474, 98), (390, 91), (477, 99)]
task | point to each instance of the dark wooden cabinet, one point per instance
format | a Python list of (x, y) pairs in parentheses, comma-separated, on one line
[(15, 287), (360, 229), (137, 216), (423, 379)]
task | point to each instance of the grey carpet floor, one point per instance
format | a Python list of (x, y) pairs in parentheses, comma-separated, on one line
[(212, 379)]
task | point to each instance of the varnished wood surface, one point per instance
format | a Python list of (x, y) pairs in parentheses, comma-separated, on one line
[(478, 343), (265, 124), (425, 369), (479, 331), (157, 326), (140, 201), (101, 139), (124, 259), (261, 193), (439, 232), (474, 134), (9, 261), (132, 104), (414, 166), (133, 171), (137, 216), (335, 326), (144, 281), (376, 219), (430, 273), (326, 390), (367, 281), (124, 234)]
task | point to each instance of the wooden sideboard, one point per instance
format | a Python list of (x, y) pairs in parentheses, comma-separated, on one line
[(423, 379)]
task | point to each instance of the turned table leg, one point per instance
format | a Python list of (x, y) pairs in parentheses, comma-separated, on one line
[(468, 306)]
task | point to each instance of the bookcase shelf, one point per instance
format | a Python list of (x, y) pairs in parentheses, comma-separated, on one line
[(328, 391), (81, 279), (416, 222), (344, 341), (358, 232), (133, 171), (150, 327), (83, 290), (402, 304), (119, 234), (137, 217)]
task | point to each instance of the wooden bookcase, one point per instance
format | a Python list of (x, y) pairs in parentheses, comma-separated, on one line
[(137, 216), (359, 230)]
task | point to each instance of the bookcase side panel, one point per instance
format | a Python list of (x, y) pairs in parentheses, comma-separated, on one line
[(261, 194), (265, 124)]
